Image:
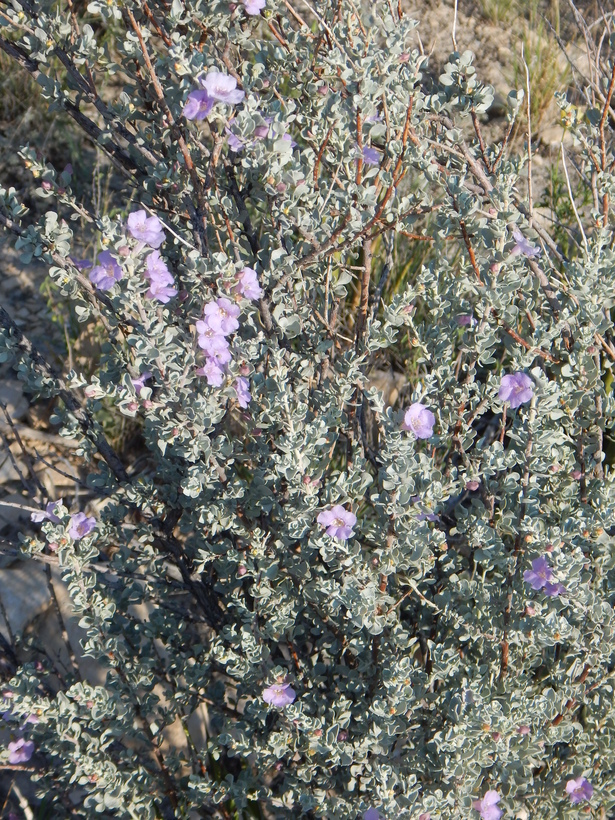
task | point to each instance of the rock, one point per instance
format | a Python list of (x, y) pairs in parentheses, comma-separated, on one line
[(24, 593), (10, 515), (11, 395)]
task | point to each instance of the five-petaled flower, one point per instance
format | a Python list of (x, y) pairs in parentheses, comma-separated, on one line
[(221, 315), (221, 88), (553, 590), (242, 388), (540, 574), (370, 156), (107, 272), (20, 750), (516, 389), (579, 790), (247, 284), (161, 280), (80, 525), (419, 420), (139, 382), (198, 105), (279, 694), (254, 6), (213, 343), (147, 229), (523, 246), (48, 514), (212, 372), (487, 807), (161, 291), (338, 522)]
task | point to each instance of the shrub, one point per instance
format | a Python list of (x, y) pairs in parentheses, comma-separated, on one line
[(398, 611)]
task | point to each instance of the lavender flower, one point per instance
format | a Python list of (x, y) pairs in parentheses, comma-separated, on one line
[(80, 264), (221, 315), (20, 750), (80, 525), (48, 514), (254, 6), (262, 131), (465, 319), (279, 694), (156, 268), (523, 246), (419, 420), (212, 371), (234, 142), (371, 814), (338, 522), (146, 228), (247, 284), (540, 574), (213, 343), (242, 388), (371, 156), (161, 291), (222, 88), (516, 389), (107, 272), (198, 105), (553, 590), (487, 807), (139, 382), (579, 790)]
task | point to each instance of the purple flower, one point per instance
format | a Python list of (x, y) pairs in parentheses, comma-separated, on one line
[(242, 388), (146, 228), (161, 291), (553, 590), (48, 514), (487, 807), (212, 372), (516, 389), (279, 694), (222, 88), (221, 315), (247, 284), (465, 319), (156, 269), (371, 814), (288, 138), (107, 272), (198, 105), (338, 522), (579, 790), (20, 750), (80, 264), (213, 342), (80, 525), (524, 247), (262, 131), (234, 142), (139, 382), (540, 574), (254, 6), (419, 420), (371, 156)]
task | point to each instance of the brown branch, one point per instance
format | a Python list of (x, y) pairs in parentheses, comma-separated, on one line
[(364, 302), (320, 153), (537, 351), (607, 105), (175, 130)]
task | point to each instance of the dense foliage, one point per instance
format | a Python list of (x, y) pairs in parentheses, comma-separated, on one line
[(404, 611)]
